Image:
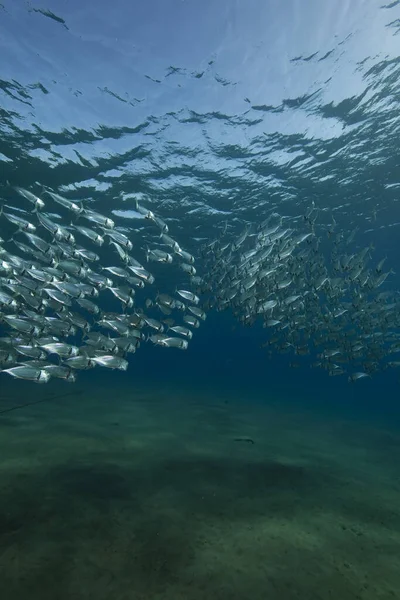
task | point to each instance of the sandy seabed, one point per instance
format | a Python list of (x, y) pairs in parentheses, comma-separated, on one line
[(113, 493)]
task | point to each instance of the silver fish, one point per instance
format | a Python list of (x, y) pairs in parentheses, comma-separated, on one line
[(142, 273), (190, 296), (118, 237), (57, 231), (21, 223), (356, 376), (58, 296), (174, 342), (192, 321), (23, 325), (95, 237), (158, 256), (68, 204), (37, 202), (39, 243), (80, 362), (185, 255), (188, 268), (170, 242), (160, 223), (88, 305), (61, 349), (111, 362), (118, 271), (154, 324), (98, 218), (44, 279), (125, 295), (28, 373), (197, 312), (182, 331), (60, 372), (32, 351)]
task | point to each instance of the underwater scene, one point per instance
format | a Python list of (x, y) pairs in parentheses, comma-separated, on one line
[(199, 300)]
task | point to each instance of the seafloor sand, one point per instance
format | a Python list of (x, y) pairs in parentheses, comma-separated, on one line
[(148, 496)]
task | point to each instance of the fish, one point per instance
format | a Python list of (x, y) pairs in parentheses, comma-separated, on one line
[(95, 217), (60, 372), (49, 280), (185, 331), (23, 325), (35, 200), (188, 258), (58, 296), (88, 305), (40, 244), (154, 324), (117, 236), (22, 224), (80, 362), (174, 342), (31, 351), (111, 362), (91, 234), (142, 273), (190, 296), (61, 349), (158, 256), (148, 214), (160, 224), (324, 303), (197, 312), (169, 342), (68, 204), (356, 376), (192, 321), (28, 373), (124, 294), (118, 271), (187, 268), (168, 241)]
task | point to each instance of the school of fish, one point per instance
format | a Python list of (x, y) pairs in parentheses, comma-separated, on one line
[(307, 286), (311, 291), (54, 286)]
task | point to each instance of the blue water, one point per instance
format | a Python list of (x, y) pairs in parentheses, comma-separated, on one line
[(216, 111)]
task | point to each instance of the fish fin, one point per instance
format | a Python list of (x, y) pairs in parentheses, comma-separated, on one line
[(44, 190)]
